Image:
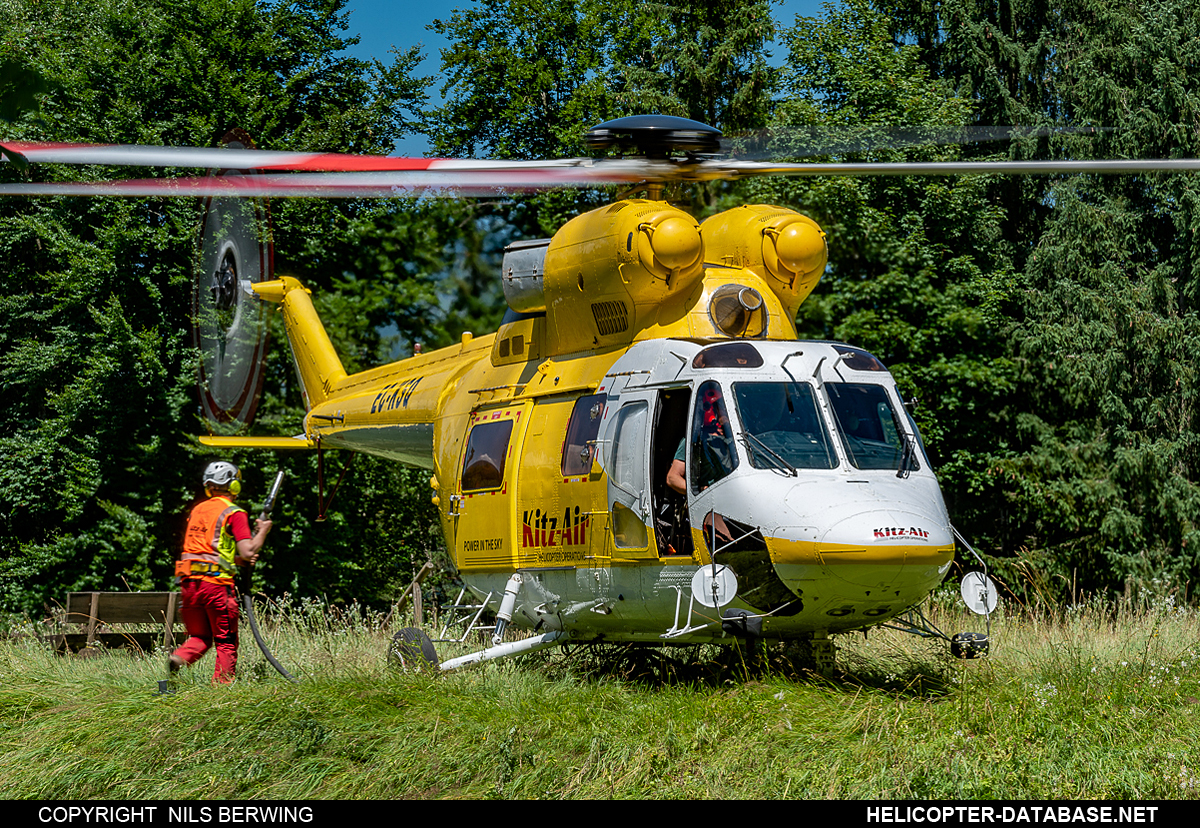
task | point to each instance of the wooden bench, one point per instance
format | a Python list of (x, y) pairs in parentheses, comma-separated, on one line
[(96, 613)]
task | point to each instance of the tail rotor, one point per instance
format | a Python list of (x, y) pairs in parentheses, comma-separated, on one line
[(230, 323)]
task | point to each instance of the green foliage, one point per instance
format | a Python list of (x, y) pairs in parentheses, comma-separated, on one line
[(98, 400), (701, 60), (523, 78), (919, 273), (20, 87), (1046, 323), (527, 78), (1098, 450)]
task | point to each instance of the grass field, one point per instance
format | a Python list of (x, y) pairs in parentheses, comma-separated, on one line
[(1098, 701)]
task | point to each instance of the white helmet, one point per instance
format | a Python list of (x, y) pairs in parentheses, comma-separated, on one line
[(224, 476)]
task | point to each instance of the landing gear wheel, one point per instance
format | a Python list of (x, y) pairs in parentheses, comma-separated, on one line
[(969, 645), (230, 322), (818, 654), (412, 651)]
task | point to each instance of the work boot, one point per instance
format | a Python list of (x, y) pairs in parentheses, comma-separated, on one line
[(166, 687)]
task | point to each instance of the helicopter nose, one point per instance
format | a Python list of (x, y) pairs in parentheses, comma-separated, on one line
[(871, 564), (873, 549), (882, 539), (877, 547)]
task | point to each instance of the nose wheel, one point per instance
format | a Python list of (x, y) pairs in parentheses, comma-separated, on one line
[(969, 645), (979, 593)]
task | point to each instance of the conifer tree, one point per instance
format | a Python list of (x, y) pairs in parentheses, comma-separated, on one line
[(1074, 458), (98, 407)]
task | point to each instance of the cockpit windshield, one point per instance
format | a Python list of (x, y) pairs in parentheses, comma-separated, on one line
[(870, 428), (783, 427)]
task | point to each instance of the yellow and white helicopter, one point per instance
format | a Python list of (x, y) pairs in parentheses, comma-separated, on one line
[(640, 345)]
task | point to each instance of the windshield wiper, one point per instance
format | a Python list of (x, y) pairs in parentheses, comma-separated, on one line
[(779, 463), (908, 458)]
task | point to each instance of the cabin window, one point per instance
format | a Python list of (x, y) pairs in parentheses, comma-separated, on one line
[(579, 447), (629, 450), (870, 430), (783, 427), (487, 448), (713, 452), (628, 473)]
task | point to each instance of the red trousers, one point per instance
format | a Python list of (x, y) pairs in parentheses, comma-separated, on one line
[(210, 613)]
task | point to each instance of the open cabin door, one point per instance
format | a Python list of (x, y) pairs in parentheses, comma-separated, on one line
[(667, 443), (641, 439), (627, 443)]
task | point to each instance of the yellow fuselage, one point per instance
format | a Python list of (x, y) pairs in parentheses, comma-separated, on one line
[(531, 434)]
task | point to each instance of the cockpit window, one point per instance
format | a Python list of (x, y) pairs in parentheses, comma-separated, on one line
[(713, 452), (783, 427), (870, 429), (729, 355)]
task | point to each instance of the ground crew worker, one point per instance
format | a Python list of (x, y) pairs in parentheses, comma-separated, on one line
[(218, 539)]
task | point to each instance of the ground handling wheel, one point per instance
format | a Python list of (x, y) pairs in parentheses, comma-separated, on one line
[(412, 651)]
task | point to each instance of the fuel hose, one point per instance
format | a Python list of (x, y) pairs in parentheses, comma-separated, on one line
[(248, 599), (248, 608)]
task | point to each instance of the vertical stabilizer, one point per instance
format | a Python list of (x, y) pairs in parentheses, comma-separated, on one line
[(317, 363)]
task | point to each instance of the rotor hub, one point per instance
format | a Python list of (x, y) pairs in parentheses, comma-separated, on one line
[(654, 136), (224, 281)]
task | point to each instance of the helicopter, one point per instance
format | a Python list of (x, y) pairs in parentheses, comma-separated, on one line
[(645, 451)]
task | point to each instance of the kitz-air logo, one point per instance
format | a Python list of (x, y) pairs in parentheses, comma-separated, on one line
[(901, 532), (541, 529), (394, 395)]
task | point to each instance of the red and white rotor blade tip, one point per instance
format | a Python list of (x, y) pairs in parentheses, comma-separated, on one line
[(223, 158), (332, 185)]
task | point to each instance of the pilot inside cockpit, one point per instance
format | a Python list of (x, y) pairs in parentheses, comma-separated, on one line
[(713, 457), (713, 453)]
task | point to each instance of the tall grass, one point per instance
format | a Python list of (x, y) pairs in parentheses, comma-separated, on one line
[(1095, 700)]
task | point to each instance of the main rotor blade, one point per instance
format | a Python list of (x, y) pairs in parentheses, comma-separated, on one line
[(453, 184), (801, 142), (226, 158), (749, 169), (457, 179), (133, 155)]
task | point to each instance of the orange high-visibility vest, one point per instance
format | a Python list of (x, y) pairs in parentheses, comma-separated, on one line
[(208, 544)]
